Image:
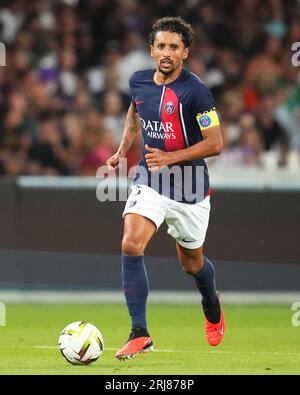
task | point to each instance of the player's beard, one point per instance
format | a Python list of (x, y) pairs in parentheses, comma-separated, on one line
[(166, 72)]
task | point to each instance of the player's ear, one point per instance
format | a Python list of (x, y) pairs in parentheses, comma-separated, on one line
[(151, 51), (186, 53)]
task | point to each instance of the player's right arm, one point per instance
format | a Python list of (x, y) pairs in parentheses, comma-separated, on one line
[(131, 129)]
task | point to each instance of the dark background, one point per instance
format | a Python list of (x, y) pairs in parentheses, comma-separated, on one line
[(52, 237)]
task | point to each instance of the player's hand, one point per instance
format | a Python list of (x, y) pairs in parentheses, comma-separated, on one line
[(157, 159), (113, 162)]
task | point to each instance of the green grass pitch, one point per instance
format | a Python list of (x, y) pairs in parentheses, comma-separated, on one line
[(258, 340)]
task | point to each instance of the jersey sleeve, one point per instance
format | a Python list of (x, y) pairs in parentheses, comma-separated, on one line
[(131, 86), (204, 108)]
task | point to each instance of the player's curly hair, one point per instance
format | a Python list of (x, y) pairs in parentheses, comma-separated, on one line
[(173, 24)]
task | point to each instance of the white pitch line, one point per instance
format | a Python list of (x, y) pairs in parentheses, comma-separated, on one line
[(188, 351)]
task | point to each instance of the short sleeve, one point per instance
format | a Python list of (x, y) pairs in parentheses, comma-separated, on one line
[(204, 107), (131, 86), (203, 100)]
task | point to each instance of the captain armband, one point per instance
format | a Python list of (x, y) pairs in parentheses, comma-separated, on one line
[(208, 119)]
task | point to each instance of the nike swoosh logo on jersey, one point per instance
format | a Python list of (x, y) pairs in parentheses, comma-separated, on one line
[(187, 241)]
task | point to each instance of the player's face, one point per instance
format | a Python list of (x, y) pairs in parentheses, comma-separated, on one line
[(169, 51)]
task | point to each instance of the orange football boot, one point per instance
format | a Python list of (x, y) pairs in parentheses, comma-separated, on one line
[(139, 341), (215, 332)]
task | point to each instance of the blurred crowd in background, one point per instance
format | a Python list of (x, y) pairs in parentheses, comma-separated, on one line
[(64, 90)]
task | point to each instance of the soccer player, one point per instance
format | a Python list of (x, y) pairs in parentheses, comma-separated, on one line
[(176, 113)]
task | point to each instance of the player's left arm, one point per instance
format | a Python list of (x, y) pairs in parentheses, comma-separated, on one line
[(211, 145)]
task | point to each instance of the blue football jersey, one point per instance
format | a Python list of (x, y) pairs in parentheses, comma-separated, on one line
[(171, 117)]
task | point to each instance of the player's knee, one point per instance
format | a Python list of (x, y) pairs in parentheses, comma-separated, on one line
[(191, 266), (132, 247), (188, 269)]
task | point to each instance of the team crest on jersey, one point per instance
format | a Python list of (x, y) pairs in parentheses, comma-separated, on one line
[(169, 107)]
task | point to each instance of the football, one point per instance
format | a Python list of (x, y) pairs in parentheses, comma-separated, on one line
[(81, 343)]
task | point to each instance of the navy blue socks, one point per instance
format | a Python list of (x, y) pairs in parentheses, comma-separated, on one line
[(135, 286), (205, 282)]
